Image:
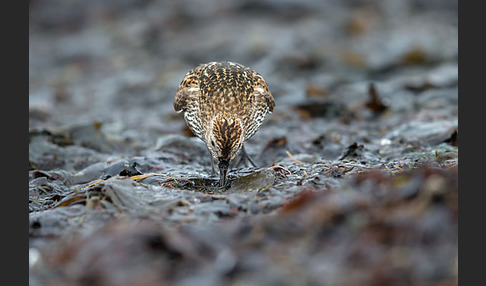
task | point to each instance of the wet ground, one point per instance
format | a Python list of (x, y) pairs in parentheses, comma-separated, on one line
[(356, 181)]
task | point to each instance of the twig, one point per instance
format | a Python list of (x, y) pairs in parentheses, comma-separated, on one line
[(281, 168), (138, 177), (92, 184), (293, 158)]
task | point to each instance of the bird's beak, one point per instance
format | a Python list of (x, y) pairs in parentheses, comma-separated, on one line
[(223, 169)]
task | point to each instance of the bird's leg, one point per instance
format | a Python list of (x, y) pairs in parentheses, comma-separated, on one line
[(246, 158), (213, 172)]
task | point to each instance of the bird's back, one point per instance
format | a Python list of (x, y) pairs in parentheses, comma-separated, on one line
[(223, 88)]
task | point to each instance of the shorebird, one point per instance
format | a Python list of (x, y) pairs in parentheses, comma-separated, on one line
[(224, 104)]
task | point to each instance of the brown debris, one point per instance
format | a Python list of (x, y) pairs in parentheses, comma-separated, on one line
[(375, 103), (361, 21), (353, 59), (313, 90), (415, 56), (353, 150), (305, 197), (453, 139), (274, 143), (418, 88), (320, 108)]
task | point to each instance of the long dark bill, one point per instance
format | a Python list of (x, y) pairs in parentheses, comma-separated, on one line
[(223, 169)]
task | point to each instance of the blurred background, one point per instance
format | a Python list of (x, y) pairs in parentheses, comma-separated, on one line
[(121, 61)]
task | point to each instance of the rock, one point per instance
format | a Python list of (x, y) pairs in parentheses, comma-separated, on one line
[(257, 181)]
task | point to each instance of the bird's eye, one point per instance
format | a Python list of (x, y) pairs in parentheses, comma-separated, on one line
[(212, 143)]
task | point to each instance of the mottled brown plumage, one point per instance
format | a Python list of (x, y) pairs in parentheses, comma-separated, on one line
[(224, 104)]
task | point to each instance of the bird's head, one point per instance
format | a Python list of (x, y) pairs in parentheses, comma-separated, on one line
[(224, 140)]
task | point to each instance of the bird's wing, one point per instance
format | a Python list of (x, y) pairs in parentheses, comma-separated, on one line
[(187, 92), (262, 94)]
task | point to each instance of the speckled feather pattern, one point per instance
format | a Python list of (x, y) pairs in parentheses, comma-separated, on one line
[(223, 97)]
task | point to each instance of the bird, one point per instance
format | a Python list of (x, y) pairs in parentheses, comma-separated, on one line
[(224, 104)]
